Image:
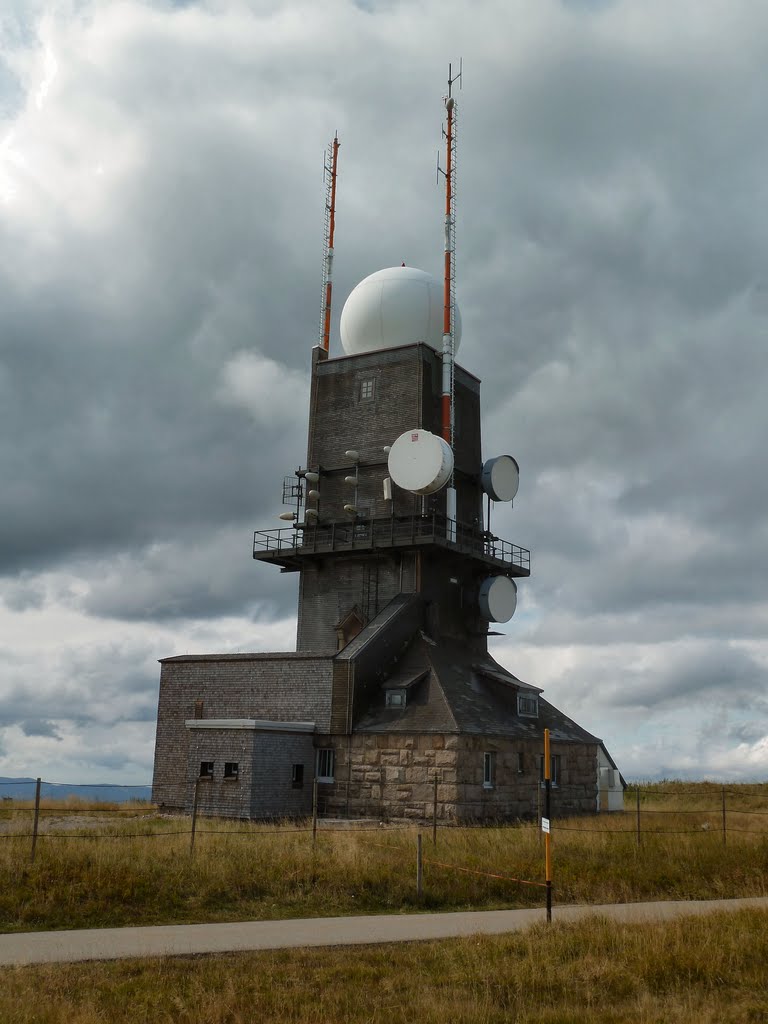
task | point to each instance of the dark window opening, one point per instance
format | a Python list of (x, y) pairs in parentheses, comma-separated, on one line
[(231, 769), (206, 769), (489, 769), (325, 764), (198, 709), (297, 776), (520, 763), (554, 769)]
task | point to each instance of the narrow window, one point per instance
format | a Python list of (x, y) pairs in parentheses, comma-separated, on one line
[(489, 770), (297, 776), (528, 705), (520, 762), (367, 388), (325, 764), (198, 709), (554, 769), (206, 769), (231, 769)]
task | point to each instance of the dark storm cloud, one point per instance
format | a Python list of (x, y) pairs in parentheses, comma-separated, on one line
[(161, 296), (39, 727)]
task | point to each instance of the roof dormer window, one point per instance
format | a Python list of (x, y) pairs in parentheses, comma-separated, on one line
[(528, 705)]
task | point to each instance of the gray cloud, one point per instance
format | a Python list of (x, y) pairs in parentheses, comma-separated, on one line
[(40, 727), (162, 217)]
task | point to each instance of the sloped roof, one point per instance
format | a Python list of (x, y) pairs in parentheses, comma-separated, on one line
[(461, 693)]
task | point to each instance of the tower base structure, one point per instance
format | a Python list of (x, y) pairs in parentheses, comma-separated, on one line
[(391, 701), (396, 724)]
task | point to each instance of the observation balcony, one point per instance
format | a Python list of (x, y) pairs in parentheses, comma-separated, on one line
[(289, 547)]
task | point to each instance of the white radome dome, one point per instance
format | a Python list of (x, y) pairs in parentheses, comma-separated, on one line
[(395, 307)]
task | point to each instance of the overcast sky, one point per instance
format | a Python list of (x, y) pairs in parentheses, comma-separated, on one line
[(161, 215)]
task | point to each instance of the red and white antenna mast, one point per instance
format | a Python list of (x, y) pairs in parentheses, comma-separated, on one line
[(329, 177), (449, 288)]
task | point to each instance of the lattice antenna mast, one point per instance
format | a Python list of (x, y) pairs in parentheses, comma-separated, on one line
[(330, 164), (449, 287)]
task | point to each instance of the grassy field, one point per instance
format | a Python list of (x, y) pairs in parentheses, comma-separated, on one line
[(709, 970), (136, 867)]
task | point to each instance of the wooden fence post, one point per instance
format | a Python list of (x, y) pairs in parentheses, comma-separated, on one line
[(434, 813), (637, 811), (194, 818), (419, 868), (35, 823)]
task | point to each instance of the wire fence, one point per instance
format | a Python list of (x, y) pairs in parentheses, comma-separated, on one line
[(719, 813)]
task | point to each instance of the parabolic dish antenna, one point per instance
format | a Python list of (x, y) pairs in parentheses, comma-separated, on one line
[(498, 598), (395, 307), (420, 462), (501, 478)]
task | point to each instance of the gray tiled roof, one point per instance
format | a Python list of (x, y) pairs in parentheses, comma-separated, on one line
[(464, 694)]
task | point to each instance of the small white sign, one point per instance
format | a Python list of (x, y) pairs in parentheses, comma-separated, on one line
[(545, 825)]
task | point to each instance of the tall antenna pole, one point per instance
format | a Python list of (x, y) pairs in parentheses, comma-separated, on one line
[(329, 176), (449, 291)]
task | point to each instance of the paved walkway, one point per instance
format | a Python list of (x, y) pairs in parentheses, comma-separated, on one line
[(186, 939)]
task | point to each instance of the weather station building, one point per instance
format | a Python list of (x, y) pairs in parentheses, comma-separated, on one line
[(391, 698)]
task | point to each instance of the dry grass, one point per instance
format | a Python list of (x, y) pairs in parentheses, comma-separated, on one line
[(708, 970), (131, 870)]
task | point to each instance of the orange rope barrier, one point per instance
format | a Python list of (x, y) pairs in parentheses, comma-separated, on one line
[(486, 874)]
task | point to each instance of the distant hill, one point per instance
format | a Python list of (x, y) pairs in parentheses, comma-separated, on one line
[(24, 789)]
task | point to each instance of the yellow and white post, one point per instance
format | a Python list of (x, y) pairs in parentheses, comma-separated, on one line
[(545, 824)]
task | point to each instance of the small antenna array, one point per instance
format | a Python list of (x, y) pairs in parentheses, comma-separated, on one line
[(330, 163), (449, 282)]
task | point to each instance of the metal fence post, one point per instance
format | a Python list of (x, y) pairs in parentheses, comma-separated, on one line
[(194, 818), (637, 811), (724, 825), (419, 868), (314, 812), (35, 823)]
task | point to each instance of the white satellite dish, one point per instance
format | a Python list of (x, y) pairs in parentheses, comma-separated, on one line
[(420, 462), (501, 478), (498, 598)]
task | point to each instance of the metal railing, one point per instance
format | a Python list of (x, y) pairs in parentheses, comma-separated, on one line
[(396, 531)]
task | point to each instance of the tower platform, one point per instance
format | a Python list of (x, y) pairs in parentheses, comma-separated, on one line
[(290, 547)]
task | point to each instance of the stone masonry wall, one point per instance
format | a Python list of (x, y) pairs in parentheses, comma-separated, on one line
[(393, 776)]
